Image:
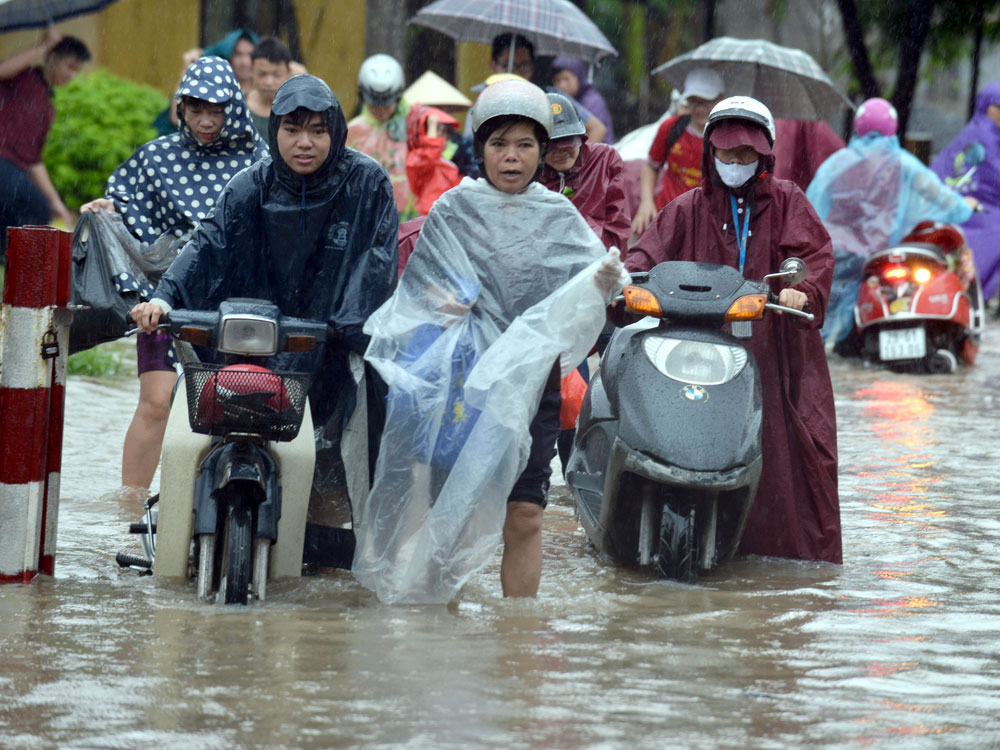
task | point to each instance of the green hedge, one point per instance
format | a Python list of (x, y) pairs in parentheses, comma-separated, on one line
[(100, 120)]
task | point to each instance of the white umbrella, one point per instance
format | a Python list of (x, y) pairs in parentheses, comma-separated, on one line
[(32, 14), (555, 27), (787, 80)]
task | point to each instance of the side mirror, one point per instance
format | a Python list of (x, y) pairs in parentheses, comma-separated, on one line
[(794, 270)]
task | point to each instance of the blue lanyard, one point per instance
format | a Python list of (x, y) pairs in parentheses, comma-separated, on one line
[(741, 237)]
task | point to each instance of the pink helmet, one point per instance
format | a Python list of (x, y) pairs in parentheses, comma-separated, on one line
[(876, 114)]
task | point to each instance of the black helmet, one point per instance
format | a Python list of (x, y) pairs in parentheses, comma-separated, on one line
[(566, 120)]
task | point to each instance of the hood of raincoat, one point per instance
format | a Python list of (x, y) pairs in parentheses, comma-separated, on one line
[(595, 185), (173, 182), (225, 46), (870, 194), (587, 94), (313, 94), (416, 125), (982, 229), (982, 130), (321, 247)]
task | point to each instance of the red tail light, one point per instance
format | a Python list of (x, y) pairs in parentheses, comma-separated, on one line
[(896, 273)]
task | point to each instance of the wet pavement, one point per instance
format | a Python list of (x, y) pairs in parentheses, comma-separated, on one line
[(898, 648)]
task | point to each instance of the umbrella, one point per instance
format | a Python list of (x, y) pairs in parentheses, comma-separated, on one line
[(787, 80), (32, 14), (433, 90), (555, 27)]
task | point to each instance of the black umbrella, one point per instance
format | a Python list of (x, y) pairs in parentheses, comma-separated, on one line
[(32, 14)]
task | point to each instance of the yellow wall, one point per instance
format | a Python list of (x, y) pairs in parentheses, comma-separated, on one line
[(332, 36), (144, 39)]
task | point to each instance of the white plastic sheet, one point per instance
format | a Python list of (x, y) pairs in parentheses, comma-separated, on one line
[(499, 287)]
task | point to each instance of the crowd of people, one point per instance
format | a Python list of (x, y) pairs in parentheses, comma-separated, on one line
[(443, 240)]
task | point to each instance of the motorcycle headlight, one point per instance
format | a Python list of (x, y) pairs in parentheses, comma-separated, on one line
[(251, 335), (694, 362)]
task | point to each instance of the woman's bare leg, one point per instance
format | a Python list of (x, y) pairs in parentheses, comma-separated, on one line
[(144, 439)]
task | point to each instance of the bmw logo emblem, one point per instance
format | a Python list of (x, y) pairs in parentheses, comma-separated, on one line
[(694, 393)]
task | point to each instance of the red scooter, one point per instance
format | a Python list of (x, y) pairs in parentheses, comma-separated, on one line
[(920, 306)]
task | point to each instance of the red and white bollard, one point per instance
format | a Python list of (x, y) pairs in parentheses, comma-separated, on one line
[(34, 341)]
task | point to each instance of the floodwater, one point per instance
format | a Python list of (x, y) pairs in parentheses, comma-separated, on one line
[(898, 648)]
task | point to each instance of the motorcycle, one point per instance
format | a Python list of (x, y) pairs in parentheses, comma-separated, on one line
[(920, 306), (238, 456), (667, 454)]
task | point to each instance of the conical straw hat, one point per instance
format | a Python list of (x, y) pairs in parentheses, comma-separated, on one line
[(433, 90)]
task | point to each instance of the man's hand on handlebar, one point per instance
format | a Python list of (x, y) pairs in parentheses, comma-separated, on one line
[(147, 316), (792, 298)]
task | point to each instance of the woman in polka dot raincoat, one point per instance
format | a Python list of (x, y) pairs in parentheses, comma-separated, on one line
[(165, 189)]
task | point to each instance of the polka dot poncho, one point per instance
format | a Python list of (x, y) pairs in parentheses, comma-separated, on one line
[(171, 183)]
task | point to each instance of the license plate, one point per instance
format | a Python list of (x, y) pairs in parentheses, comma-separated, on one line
[(902, 343)]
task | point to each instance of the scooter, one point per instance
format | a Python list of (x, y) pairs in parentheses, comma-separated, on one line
[(238, 456), (667, 454), (920, 306)]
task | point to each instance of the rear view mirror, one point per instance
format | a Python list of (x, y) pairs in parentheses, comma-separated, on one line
[(793, 270)]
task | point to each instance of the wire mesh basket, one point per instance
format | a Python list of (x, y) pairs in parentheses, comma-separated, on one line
[(245, 398)]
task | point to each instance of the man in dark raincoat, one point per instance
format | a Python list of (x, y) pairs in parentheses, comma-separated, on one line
[(312, 229), (797, 512)]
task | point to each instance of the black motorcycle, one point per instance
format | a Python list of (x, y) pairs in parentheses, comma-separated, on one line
[(667, 454)]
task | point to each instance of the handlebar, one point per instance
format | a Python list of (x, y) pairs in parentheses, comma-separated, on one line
[(791, 310)]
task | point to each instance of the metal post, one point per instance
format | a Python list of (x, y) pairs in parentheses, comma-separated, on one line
[(34, 331)]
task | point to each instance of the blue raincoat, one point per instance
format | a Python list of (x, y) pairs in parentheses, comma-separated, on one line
[(869, 196)]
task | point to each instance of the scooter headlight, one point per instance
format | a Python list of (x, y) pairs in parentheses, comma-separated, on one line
[(251, 335), (694, 362)]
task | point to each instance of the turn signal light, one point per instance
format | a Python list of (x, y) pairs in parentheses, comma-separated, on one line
[(922, 275), (641, 300), (300, 343), (196, 335), (748, 307)]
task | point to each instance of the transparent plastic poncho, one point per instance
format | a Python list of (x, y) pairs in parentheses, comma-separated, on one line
[(872, 193), (498, 289)]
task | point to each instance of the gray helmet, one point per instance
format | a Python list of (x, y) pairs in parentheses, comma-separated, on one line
[(565, 117), (512, 98), (742, 108), (380, 80)]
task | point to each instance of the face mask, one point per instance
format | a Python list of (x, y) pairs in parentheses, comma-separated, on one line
[(735, 175)]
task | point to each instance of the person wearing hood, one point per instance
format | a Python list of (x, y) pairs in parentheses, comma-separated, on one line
[(981, 136), (870, 195), (380, 129), (164, 190), (507, 287), (742, 217), (312, 229), (569, 75), (236, 48), (428, 131)]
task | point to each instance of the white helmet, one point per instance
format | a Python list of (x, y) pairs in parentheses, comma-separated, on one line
[(742, 108), (380, 80), (519, 98)]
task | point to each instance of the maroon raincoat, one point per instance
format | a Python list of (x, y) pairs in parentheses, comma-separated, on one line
[(797, 510), (800, 147), (596, 187)]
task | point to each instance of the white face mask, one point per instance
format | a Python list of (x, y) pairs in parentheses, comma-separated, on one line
[(735, 175)]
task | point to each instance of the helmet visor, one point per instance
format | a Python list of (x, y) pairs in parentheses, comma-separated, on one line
[(735, 133)]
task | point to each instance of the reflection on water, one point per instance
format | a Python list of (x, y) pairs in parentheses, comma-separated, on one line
[(897, 648)]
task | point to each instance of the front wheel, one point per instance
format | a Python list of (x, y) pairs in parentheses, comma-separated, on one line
[(237, 551), (677, 556)]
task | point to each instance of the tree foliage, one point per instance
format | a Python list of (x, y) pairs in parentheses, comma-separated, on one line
[(100, 120)]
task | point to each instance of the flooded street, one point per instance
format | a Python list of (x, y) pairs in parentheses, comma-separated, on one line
[(899, 648)]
